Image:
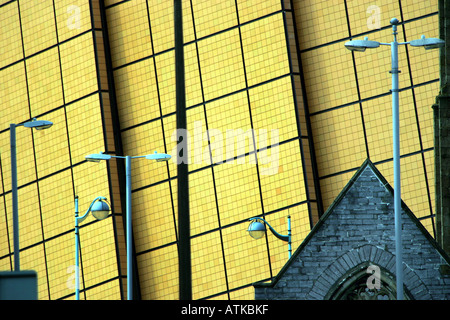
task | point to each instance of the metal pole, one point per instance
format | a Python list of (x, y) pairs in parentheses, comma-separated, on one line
[(396, 156), (129, 229), (12, 128), (77, 261), (184, 254), (290, 237)]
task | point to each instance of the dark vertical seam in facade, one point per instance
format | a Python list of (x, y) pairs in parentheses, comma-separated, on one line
[(34, 147), (117, 143), (162, 122), (6, 215), (253, 133), (357, 83), (417, 119), (210, 154), (296, 103), (309, 131)]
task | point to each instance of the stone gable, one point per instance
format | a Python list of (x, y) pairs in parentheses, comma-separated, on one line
[(354, 236)]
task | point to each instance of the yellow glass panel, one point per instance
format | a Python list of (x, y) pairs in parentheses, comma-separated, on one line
[(425, 97), (140, 141), (221, 64), (137, 93), (320, 21), (208, 274), (237, 187), (332, 186), (72, 18), (373, 66), (78, 67), (107, 291), (90, 181), (165, 68), (26, 170), (98, 251), (30, 231), (34, 259), (158, 274), (329, 77), (129, 32), (429, 168), (202, 203), (213, 18), (57, 204), (424, 63), (37, 15), (251, 9), (340, 146), (232, 135), (13, 90), (153, 219), (368, 15), (44, 81), (282, 182), (192, 76), (246, 258), (265, 51), (60, 262), (273, 109), (413, 9), (51, 145), (10, 41), (378, 122), (414, 191), (84, 126), (4, 235)]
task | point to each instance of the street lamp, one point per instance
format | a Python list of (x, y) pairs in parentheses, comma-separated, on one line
[(257, 230), (362, 45), (38, 125), (100, 210), (97, 157)]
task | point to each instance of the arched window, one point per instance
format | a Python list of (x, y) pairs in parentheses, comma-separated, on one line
[(364, 283)]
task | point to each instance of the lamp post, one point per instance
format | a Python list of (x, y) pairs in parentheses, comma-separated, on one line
[(257, 230), (361, 46), (100, 211), (155, 156), (38, 125)]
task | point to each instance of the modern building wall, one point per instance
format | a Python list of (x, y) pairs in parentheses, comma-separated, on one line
[(277, 72)]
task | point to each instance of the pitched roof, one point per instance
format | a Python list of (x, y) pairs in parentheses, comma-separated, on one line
[(367, 164)]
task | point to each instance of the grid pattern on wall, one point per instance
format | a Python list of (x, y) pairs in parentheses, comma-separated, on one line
[(349, 97), (57, 74), (241, 110), (280, 115)]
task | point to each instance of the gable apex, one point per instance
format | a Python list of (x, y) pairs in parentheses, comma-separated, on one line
[(359, 225)]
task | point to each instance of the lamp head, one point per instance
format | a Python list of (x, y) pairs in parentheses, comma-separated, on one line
[(97, 157), (100, 210), (427, 43), (256, 229), (361, 45), (38, 124), (158, 157)]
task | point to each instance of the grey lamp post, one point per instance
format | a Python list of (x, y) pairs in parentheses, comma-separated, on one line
[(362, 45), (100, 211), (155, 156), (38, 125), (257, 230)]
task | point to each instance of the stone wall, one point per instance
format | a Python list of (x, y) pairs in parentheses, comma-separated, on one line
[(355, 232)]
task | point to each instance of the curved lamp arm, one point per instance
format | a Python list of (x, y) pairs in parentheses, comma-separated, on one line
[(287, 238), (276, 234), (84, 216)]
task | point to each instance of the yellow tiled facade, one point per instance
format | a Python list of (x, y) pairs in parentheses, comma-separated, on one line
[(279, 115)]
